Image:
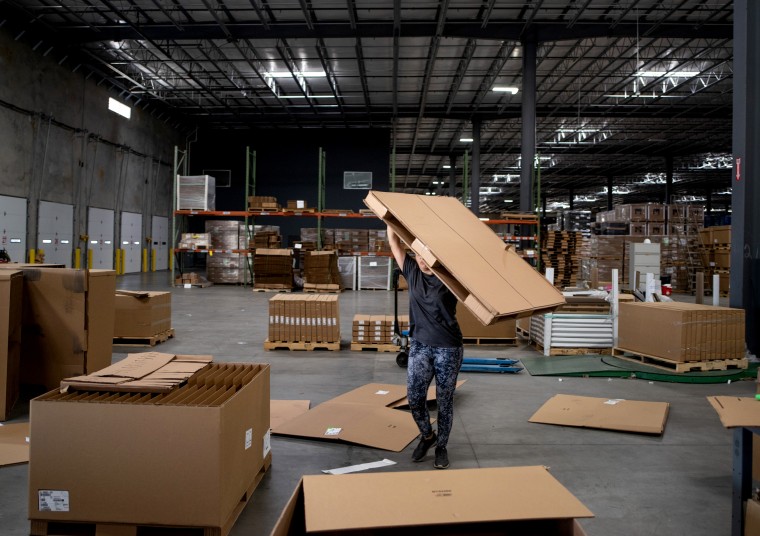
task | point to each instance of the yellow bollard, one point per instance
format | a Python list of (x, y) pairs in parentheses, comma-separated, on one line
[(144, 260), (152, 260), (117, 261), (171, 259), (31, 255), (77, 258), (122, 261), (89, 259)]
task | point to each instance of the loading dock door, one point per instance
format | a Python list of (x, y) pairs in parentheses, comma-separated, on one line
[(55, 232), (100, 241), (131, 241), (160, 236), (13, 227)]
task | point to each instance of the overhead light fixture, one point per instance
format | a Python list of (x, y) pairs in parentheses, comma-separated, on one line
[(671, 74), (466, 140), (447, 166), (119, 108), (304, 74), (306, 96), (506, 89), (508, 201)]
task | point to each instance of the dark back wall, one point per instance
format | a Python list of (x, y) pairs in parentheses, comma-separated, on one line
[(287, 164)]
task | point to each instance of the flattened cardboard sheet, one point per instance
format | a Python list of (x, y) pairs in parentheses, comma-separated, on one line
[(492, 280), (362, 424), (145, 372), (604, 413), (381, 500), (736, 411), (281, 411), (14, 448)]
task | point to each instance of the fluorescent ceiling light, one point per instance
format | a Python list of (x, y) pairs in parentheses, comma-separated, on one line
[(671, 74), (446, 166), (288, 74), (119, 108), (306, 96), (506, 89), (508, 201), (466, 140)]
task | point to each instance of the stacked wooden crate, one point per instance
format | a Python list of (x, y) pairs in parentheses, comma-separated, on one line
[(560, 250)]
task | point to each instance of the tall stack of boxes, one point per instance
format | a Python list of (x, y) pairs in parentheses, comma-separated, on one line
[(273, 269), (226, 265), (196, 192), (560, 250), (265, 236), (715, 252), (304, 318), (320, 269), (368, 330)]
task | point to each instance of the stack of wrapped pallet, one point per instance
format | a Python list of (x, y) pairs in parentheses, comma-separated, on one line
[(226, 265), (303, 322)]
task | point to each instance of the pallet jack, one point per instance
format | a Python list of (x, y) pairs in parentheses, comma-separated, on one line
[(469, 364)]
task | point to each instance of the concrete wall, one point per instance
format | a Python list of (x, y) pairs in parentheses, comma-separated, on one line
[(60, 143)]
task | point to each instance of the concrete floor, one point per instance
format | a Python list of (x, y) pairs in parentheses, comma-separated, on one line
[(676, 484)]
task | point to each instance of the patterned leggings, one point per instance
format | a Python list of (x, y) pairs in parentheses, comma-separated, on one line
[(424, 363)]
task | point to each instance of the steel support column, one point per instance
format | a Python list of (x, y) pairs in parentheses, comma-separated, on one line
[(475, 184), (528, 148)]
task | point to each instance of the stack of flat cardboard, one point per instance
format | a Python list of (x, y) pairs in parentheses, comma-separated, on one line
[(273, 268), (321, 268), (475, 264), (304, 318), (376, 329)]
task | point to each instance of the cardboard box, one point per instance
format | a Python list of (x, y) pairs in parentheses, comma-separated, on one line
[(184, 459), (456, 503), (604, 413), (735, 411), (681, 332), (14, 444), (489, 277), (752, 518), (142, 313), (68, 321), (11, 289), (472, 328)]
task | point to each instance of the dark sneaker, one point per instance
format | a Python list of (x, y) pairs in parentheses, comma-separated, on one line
[(423, 446), (441, 458)]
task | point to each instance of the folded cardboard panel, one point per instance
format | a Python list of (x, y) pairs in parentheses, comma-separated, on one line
[(736, 411), (142, 313), (604, 413), (68, 319), (457, 502), (11, 289), (490, 279), (184, 458), (472, 327), (681, 331)]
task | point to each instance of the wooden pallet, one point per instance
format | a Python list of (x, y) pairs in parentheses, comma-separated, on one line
[(362, 347), (524, 333), (202, 284), (144, 341), (39, 527), (571, 351), (260, 289), (322, 291), (300, 345), (484, 341), (679, 366)]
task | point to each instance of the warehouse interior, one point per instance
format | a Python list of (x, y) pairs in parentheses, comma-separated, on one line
[(221, 157)]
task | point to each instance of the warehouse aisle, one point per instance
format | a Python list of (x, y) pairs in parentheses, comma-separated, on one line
[(677, 483)]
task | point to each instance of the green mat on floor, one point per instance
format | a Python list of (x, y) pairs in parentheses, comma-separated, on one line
[(606, 366)]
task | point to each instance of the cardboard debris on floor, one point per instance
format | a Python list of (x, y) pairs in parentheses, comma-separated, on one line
[(604, 413), (736, 411), (282, 411), (455, 502), (145, 372), (385, 462), (367, 415), (14, 443), (489, 277)]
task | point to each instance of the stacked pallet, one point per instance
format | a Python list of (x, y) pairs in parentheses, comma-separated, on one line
[(226, 265), (582, 326), (320, 271), (715, 251), (273, 269), (560, 250), (263, 203), (265, 236), (303, 322), (348, 241), (375, 332)]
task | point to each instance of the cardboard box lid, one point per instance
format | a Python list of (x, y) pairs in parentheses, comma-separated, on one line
[(477, 266), (14, 448), (146, 372), (363, 424), (604, 413), (281, 411), (736, 411), (353, 501)]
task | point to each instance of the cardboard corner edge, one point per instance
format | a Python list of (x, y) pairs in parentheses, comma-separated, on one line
[(292, 516), (374, 204)]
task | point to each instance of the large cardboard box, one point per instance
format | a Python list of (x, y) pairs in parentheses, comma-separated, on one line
[(142, 313), (490, 278), (681, 331), (456, 503), (186, 458), (67, 326), (472, 328), (11, 287)]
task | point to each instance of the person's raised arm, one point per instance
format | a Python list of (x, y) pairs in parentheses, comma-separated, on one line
[(396, 248)]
